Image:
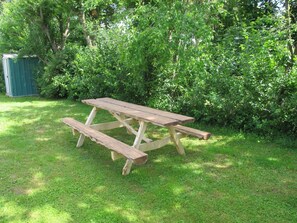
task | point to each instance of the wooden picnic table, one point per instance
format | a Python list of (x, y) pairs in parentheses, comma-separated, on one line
[(127, 113)]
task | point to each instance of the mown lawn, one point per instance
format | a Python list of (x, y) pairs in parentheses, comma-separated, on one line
[(232, 177)]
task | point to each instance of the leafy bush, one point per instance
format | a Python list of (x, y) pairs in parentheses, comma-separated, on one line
[(91, 76), (248, 85), (223, 66), (55, 79)]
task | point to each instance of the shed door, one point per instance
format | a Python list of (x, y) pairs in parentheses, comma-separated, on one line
[(6, 76)]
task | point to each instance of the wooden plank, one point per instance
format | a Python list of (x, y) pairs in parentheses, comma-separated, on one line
[(139, 115), (135, 155), (180, 118), (110, 125), (194, 132), (157, 144)]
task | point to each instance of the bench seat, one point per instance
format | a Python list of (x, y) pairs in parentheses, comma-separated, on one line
[(135, 155), (194, 132)]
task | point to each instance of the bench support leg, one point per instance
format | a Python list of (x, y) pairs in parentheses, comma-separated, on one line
[(88, 123), (127, 167), (139, 137), (140, 134), (175, 139)]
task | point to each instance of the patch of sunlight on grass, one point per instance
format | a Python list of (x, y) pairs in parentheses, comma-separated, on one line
[(160, 159), (5, 127), (221, 163), (48, 214), (62, 158), (7, 151), (126, 213), (178, 190), (273, 159), (38, 184), (28, 121), (177, 206), (99, 189), (83, 205), (247, 154), (220, 166), (58, 179), (42, 139), (194, 167), (6, 108), (10, 210)]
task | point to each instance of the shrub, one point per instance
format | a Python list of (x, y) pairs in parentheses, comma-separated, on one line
[(55, 79)]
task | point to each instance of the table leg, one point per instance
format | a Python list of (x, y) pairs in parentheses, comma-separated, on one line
[(129, 128), (175, 139), (139, 137), (88, 123)]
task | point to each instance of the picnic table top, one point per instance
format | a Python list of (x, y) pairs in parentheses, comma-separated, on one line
[(155, 116)]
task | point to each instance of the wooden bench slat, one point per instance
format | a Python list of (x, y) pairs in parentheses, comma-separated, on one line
[(153, 118), (178, 117), (194, 132), (137, 156)]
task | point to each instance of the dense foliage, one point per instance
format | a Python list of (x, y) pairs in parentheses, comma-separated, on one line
[(225, 62)]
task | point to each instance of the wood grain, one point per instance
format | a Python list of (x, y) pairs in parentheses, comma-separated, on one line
[(135, 155), (194, 132), (138, 112)]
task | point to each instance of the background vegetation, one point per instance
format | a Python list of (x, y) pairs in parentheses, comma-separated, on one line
[(225, 62)]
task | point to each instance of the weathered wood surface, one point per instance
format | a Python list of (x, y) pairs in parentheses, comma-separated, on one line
[(129, 128), (178, 117), (139, 137), (194, 132), (157, 117), (110, 125), (91, 117), (176, 141), (134, 155), (125, 114)]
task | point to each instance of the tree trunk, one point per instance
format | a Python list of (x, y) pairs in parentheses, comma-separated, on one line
[(46, 30), (290, 40), (85, 30), (66, 33)]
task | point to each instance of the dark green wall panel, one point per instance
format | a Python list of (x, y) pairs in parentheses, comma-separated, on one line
[(20, 74)]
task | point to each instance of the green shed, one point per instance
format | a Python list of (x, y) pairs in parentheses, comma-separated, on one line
[(19, 75)]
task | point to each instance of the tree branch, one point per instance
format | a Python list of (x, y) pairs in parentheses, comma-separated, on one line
[(46, 31), (85, 30), (66, 33)]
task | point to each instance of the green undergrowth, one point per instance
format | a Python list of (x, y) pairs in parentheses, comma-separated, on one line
[(232, 177)]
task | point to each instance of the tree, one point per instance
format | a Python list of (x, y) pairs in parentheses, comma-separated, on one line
[(224, 62), (35, 27)]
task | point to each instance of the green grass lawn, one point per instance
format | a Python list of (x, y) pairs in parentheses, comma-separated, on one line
[(233, 177)]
